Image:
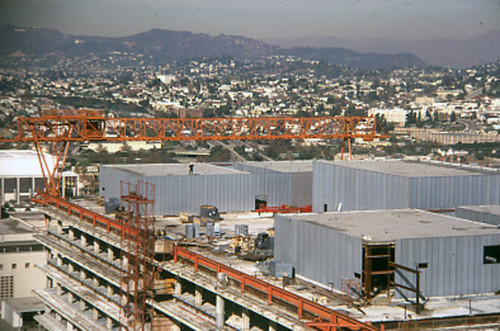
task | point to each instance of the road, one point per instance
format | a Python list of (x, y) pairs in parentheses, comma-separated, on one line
[(470, 125), (234, 155)]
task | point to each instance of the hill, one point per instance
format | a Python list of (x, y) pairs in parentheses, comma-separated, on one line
[(163, 46)]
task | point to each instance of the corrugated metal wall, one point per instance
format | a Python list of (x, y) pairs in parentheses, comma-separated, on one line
[(477, 215), (449, 192), (175, 194), (317, 252), (359, 189), (455, 264), (109, 180), (277, 186), (228, 192), (356, 189)]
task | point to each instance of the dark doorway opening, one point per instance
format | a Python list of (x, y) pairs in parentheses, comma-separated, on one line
[(260, 201)]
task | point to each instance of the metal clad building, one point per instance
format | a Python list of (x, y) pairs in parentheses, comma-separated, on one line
[(322, 254), (456, 256), (176, 191), (387, 184), (281, 182), (485, 214)]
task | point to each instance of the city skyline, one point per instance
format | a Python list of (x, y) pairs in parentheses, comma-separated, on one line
[(361, 19)]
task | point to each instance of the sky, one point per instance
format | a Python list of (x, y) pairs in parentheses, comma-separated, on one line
[(262, 19)]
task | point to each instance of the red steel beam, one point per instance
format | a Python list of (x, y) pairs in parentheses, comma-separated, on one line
[(331, 318), (84, 214)]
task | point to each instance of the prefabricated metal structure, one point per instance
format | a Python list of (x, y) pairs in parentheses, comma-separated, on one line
[(487, 214), (178, 191), (276, 183), (386, 249), (388, 184)]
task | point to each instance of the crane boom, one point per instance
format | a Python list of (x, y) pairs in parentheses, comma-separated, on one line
[(61, 127), (83, 128)]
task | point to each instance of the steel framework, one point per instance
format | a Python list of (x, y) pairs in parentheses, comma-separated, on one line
[(61, 127), (138, 270)]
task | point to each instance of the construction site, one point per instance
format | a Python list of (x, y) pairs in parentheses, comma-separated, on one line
[(259, 245)]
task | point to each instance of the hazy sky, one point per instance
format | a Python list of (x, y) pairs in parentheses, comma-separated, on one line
[(409, 19)]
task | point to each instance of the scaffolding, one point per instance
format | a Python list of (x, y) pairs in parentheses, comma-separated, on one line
[(137, 254)]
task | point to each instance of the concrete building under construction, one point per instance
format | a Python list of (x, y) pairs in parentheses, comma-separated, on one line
[(102, 273)]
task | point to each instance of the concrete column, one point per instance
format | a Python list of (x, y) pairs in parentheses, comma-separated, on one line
[(69, 326), (95, 282), (83, 275), (18, 189), (83, 240), (272, 326), (70, 297), (59, 289), (124, 299), (71, 233), (83, 305), (95, 314), (110, 254), (48, 221), (178, 287), (245, 320), (97, 247), (110, 291), (58, 317), (109, 323), (59, 260), (63, 188), (219, 312), (59, 227), (71, 269), (2, 193), (176, 327), (198, 297)]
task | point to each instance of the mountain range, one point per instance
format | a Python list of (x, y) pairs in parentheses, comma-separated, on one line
[(453, 53), (163, 46)]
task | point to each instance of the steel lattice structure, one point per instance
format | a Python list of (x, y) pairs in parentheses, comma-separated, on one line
[(137, 254), (61, 127)]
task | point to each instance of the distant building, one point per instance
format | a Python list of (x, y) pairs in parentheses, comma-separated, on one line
[(21, 176), (396, 115)]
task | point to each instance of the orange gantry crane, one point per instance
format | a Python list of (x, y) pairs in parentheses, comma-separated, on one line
[(61, 127)]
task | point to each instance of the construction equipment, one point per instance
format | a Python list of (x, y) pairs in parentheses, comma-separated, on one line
[(208, 214), (61, 127), (254, 249)]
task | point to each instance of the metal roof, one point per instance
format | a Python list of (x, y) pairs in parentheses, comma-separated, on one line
[(407, 168), (390, 225), (489, 209), (175, 169), (15, 163), (283, 166)]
